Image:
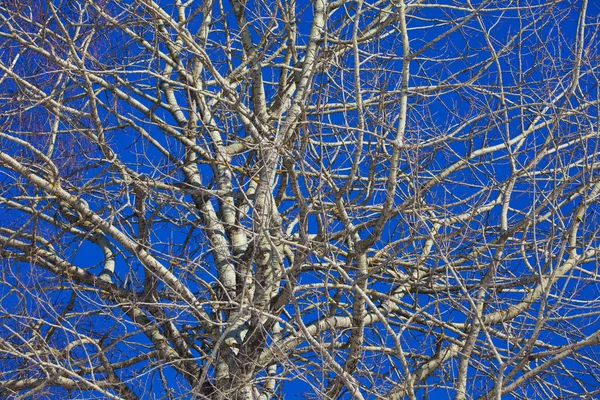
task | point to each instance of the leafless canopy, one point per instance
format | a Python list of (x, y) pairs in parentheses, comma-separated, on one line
[(259, 199)]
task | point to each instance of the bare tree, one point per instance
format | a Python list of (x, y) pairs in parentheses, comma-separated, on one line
[(343, 199)]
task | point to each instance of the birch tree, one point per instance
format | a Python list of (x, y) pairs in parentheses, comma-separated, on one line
[(251, 199)]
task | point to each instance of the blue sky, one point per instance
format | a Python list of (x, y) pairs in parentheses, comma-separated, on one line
[(475, 83)]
